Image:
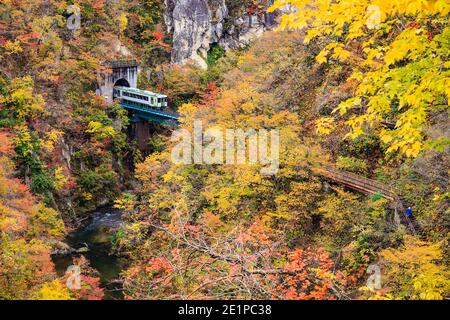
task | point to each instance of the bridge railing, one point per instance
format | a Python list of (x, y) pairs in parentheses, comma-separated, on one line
[(164, 114), (368, 186)]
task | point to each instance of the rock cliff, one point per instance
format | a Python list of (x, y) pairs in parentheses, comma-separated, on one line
[(196, 25)]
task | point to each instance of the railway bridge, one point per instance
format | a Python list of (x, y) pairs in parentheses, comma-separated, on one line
[(124, 73)]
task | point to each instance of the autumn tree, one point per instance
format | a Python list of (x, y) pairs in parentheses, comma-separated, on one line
[(417, 270), (399, 52)]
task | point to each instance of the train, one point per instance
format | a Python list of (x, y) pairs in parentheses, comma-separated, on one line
[(140, 98)]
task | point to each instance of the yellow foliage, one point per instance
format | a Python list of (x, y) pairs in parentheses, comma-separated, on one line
[(100, 131), (325, 125), (123, 22), (87, 196), (13, 47), (21, 100), (54, 290), (417, 270), (60, 178), (52, 138), (405, 67)]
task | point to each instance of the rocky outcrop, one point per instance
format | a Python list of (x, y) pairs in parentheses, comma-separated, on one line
[(244, 30), (190, 24), (196, 25), (63, 249)]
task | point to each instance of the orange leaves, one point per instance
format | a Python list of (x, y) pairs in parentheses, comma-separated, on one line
[(159, 36), (155, 38), (6, 145), (159, 40), (159, 264), (212, 221), (90, 288), (29, 36), (98, 5), (310, 275), (27, 265), (259, 233), (25, 259), (210, 95)]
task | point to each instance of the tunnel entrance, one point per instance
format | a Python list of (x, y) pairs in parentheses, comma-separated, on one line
[(122, 83)]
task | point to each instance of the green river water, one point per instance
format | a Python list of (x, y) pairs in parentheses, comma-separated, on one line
[(97, 233)]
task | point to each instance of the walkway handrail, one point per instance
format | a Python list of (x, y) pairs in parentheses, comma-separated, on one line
[(366, 186)]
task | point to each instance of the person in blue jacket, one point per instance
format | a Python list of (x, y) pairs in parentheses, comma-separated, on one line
[(409, 212)]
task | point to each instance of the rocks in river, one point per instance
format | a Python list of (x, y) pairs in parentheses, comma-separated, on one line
[(83, 250), (63, 249)]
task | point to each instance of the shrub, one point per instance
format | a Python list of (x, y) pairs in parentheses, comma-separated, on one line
[(352, 164)]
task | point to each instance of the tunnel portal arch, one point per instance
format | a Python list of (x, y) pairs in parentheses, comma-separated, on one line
[(121, 73), (122, 83)]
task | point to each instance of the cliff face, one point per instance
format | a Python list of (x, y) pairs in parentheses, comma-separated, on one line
[(190, 23), (196, 25)]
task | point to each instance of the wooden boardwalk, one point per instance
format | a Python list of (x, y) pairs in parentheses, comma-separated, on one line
[(369, 187)]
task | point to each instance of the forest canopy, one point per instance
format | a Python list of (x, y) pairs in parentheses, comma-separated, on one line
[(358, 92)]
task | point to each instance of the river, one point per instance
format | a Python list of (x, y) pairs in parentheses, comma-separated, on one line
[(97, 233)]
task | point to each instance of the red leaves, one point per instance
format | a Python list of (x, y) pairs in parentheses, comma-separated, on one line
[(6, 145), (208, 98), (416, 25), (90, 288), (157, 39), (413, 25), (309, 276), (159, 36), (159, 264), (29, 36), (31, 39), (3, 28)]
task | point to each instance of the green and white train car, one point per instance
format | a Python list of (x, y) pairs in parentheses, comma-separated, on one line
[(140, 98)]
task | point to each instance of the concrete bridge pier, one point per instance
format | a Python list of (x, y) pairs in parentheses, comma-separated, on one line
[(141, 132)]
